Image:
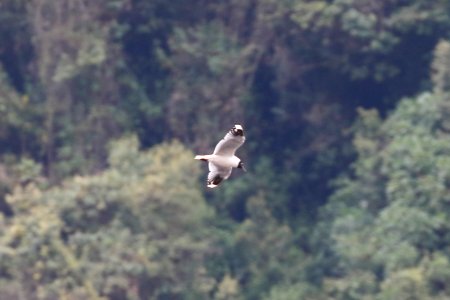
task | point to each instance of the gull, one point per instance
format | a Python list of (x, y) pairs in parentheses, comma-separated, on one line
[(223, 160)]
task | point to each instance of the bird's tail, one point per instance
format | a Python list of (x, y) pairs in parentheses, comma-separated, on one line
[(202, 157)]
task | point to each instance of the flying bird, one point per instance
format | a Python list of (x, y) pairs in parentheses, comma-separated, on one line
[(223, 160)]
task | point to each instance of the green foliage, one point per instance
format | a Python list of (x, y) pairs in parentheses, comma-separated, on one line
[(367, 32), (293, 292), (137, 230), (405, 284), (18, 134), (388, 225), (81, 78), (87, 216), (215, 81), (441, 67), (264, 252)]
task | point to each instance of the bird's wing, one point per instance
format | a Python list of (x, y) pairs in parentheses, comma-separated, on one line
[(231, 142), (216, 175)]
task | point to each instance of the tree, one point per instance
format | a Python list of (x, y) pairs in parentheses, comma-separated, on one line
[(135, 231), (264, 251), (388, 217), (82, 80)]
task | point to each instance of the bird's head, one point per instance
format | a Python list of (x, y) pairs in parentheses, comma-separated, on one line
[(241, 166), (237, 130)]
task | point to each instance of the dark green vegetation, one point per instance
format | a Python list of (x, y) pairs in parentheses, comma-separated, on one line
[(347, 109)]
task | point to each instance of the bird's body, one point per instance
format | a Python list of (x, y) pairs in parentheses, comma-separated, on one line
[(220, 160), (223, 160)]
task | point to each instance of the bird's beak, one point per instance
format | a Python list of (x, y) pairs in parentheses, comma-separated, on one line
[(244, 169)]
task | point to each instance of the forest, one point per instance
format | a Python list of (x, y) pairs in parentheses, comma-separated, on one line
[(346, 110)]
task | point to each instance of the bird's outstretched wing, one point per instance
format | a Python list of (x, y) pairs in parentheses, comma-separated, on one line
[(231, 142), (216, 175)]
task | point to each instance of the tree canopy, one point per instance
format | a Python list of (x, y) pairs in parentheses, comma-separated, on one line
[(346, 109)]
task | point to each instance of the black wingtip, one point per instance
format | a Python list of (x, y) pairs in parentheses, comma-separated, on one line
[(214, 182)]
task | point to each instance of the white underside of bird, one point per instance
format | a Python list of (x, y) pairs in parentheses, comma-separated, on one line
[(219, 165)]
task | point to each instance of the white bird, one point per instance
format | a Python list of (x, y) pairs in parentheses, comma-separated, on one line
[(223, 160)]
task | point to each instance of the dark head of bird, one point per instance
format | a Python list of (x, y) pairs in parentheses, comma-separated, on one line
[(237, 130), (241, 166)]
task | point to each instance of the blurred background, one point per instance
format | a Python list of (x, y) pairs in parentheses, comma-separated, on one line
[(346, 107)]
